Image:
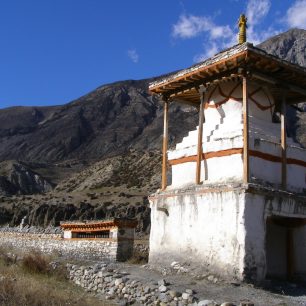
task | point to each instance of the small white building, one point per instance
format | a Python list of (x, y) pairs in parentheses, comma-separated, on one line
[(114, 238), (236, 201)]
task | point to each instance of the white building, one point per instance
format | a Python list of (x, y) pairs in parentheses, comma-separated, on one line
[(236, 205)]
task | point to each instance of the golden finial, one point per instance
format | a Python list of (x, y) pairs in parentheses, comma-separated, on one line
[(242, 24)]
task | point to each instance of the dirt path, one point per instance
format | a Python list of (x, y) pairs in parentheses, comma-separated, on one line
[(279, 293)]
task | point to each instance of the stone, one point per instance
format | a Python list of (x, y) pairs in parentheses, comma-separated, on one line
[(174, 293), (227, 304), (207, 303), (190, 291), (143, 299), (186, 296), (124, 290), (162, 282), (162, 288), (164, 297), (108, 279), (246, 303), (118, 281), (210, 278)]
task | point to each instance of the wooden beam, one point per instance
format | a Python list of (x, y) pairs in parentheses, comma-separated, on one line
[(165, 145), (276, 81), (245, 109), (200, 82), (200, 136), (284, 143)]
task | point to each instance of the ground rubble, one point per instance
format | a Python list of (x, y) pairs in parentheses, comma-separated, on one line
[(127, 284)]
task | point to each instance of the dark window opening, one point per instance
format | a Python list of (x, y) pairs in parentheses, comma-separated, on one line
[(100, 234), (284, 247)]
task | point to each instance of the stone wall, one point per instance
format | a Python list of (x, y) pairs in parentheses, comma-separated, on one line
[(94, 249), (127, 289)]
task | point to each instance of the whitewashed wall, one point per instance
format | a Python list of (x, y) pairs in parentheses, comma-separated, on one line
[(205, 229), (222, 231), (223, 130)]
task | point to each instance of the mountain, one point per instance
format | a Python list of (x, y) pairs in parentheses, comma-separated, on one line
[(105, 122), (291, 46), (101, 152)]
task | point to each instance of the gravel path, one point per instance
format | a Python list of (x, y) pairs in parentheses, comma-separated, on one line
[(278, 293)]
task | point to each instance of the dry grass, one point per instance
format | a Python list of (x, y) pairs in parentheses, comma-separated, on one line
[(32, 282), (35, 263)]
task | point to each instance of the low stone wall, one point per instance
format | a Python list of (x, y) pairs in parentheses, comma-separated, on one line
[(126, 289), (114, 284), (76, 248)]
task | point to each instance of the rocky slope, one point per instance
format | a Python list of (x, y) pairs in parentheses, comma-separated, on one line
[(105, 122), (18, 178), (102, 151), (291, 46), (116, 186)]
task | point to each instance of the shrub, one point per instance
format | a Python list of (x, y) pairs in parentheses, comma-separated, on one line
[(6, 257), (35, 263), (7, 289)]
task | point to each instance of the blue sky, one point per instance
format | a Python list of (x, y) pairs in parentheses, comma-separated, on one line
[(54, 51)]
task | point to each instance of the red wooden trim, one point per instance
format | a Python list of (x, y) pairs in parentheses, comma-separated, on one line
[(277, 159), (99, 225), (207, 155), (253, 153), (222, 153), (183, 160)]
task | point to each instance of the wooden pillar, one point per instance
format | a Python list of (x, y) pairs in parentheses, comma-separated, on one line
[(165, 145), (245, 109), (200, 137), (284, 143)]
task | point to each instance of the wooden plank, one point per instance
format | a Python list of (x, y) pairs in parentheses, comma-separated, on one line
[(208, 155), (284, 143), (165, 145), (245, 109), (200, 137)]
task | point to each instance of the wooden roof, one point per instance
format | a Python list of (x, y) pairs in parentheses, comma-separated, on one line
[(230, 64), (98, 224)]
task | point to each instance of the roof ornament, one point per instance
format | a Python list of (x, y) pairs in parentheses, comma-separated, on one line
[(242, 24)]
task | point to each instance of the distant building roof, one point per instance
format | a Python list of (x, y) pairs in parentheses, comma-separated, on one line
[(93, 225)]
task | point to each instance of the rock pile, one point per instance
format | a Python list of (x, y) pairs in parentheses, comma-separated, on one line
[(126, 290)]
